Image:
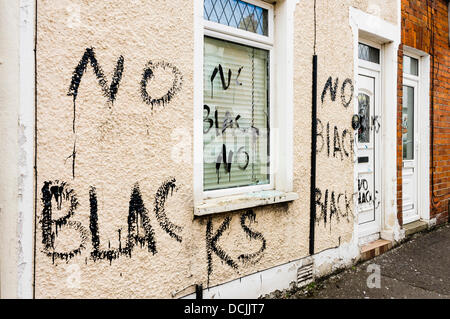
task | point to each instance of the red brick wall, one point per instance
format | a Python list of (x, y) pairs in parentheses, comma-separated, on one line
[(399, 134), (425, 27)]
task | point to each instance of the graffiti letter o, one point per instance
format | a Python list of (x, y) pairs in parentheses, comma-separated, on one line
[(148, 75), (346, 102)]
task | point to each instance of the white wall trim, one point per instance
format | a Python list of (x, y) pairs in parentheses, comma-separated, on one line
[(375, 29), (257, 284), (284, 95), (423, 161), (26, 127), (283, 276), (198, 102)]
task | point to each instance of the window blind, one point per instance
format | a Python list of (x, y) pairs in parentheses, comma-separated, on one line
[(236, 115), (408, 123)]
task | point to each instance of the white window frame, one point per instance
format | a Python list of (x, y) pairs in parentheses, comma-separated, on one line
[(279, 43), (414, 82), (235, 33), (368, 64), (238, 36)]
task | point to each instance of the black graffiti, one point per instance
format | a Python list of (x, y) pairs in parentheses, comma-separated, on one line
[(59, 191), (97, 253), (337, 144), (340, 140), (241, 166), (136, 212), (346, 102), (345, 132), (225, 85), (148, 75), (62, 193), (229, 121), (207, 119), (137, 216), (140, 231), (364, 194), (329, 86), (212, 247), (227, 161), (160, 212), (109, 92), (253, 257), (237, 77), (224, 157), (330, 204)]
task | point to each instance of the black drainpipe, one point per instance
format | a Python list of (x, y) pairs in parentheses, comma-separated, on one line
[(198, 292), (312, 199), (312, 219)]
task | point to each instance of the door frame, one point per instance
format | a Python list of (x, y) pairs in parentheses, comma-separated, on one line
[(387, 34), (423, 130), (373, 70)]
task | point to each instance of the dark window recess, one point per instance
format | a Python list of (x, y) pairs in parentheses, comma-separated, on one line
[(368, 53)]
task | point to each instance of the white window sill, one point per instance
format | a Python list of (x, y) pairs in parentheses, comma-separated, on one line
[(242, 201)]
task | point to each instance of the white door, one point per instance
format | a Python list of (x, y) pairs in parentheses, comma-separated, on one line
[(410, 149), (368, 150)]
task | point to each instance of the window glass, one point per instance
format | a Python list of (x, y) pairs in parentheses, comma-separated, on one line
[(408, 123), (237, 14), (410, 65), (368, 53), (236, 115)]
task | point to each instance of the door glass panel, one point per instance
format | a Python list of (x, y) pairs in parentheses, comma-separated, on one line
[(368, 53), (408, 123), (364, 116), (410, 65)]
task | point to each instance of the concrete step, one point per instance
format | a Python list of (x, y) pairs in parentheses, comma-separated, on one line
[(415, 227), (375, 248)]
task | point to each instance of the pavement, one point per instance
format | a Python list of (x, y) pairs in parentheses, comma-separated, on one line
[(417, 269)]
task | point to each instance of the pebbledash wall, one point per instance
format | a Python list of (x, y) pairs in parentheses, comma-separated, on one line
[(425, 28), (113, 145)]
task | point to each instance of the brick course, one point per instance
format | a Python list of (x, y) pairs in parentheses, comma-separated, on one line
[(425, 27)]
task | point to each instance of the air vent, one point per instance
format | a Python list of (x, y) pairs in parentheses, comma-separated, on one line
[(305, 275)]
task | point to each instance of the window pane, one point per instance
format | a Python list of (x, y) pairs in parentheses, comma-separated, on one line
[(408, 123), (236, 115), (364, 118), (368, 53), (237, 14), (410, 65)]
